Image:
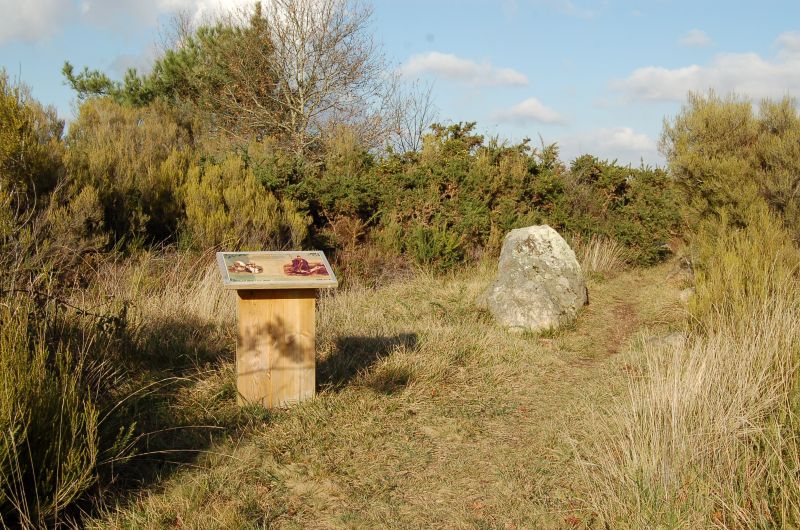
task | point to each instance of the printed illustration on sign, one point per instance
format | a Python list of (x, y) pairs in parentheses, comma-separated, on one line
[(275, 267)]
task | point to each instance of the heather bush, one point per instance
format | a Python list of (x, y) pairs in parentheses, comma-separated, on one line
[(226, 204), (136, 159), (50, 445), (59, 426)]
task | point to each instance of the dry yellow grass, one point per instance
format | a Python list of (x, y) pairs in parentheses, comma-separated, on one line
[(600, 255), (698, 442), (708, 434), (429, 415)]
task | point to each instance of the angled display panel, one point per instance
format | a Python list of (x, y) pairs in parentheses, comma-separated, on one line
[(276, 270)]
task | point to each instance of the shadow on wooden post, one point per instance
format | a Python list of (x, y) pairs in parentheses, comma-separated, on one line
[(275, 363)]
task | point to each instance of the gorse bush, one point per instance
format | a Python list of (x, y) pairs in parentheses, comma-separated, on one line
[(433, 245), (637, 208), (456, 198), (453, 200)]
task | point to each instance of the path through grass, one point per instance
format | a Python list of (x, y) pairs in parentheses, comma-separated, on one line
[(429, 416)]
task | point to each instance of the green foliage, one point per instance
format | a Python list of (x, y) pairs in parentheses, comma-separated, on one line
[(226, 204), (171, 78), (434, 246), (49, 439), (30, 144), (60, 424), (740, 269), (88, 83), (459, 196), (453, 200), (725, 158), (636, 207), (345, 186), (136, 159), (214, 76)]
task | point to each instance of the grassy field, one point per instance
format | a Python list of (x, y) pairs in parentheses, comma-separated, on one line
[(428, 414)]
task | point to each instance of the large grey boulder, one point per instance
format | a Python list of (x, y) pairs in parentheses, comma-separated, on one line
[(539, 285)]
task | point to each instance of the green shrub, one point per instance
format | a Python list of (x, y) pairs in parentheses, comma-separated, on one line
[(473, 192), (226, 204), (740, 269), (725, 157), (30, 144), (635, 207), (136, 158), (435, 246)]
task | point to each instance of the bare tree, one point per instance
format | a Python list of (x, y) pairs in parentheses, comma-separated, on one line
[(177, 31), (414, 113), (294, 68)]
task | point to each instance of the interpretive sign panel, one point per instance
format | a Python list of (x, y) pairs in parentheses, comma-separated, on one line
[(276, 270)]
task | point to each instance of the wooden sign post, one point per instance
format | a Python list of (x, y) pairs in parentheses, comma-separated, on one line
[(276, 303)]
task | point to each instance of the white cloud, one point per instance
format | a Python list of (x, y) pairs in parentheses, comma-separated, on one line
[(695, 38), (788, 44), (31, 20), (143, 61), (454, 68), (528, 111), (147, 12), (623, 139), (747, 74), (616, 143)]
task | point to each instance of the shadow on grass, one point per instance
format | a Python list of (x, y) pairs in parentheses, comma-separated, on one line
[(184, 395), (180, 397), (178, 345), (352, 355)]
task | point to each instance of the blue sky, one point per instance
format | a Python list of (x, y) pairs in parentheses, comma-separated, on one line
[(596, 76)]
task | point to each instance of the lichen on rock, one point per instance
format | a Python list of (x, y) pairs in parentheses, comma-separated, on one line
[(539, 284)]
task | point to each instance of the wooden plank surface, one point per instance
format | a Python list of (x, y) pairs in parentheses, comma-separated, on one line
[(275, 363)]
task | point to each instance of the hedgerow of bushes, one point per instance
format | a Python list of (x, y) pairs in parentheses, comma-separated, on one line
[(446, 204)]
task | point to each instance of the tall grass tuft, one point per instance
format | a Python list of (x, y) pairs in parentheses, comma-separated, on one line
[(710, 434), (50, 441), (599, 254)]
